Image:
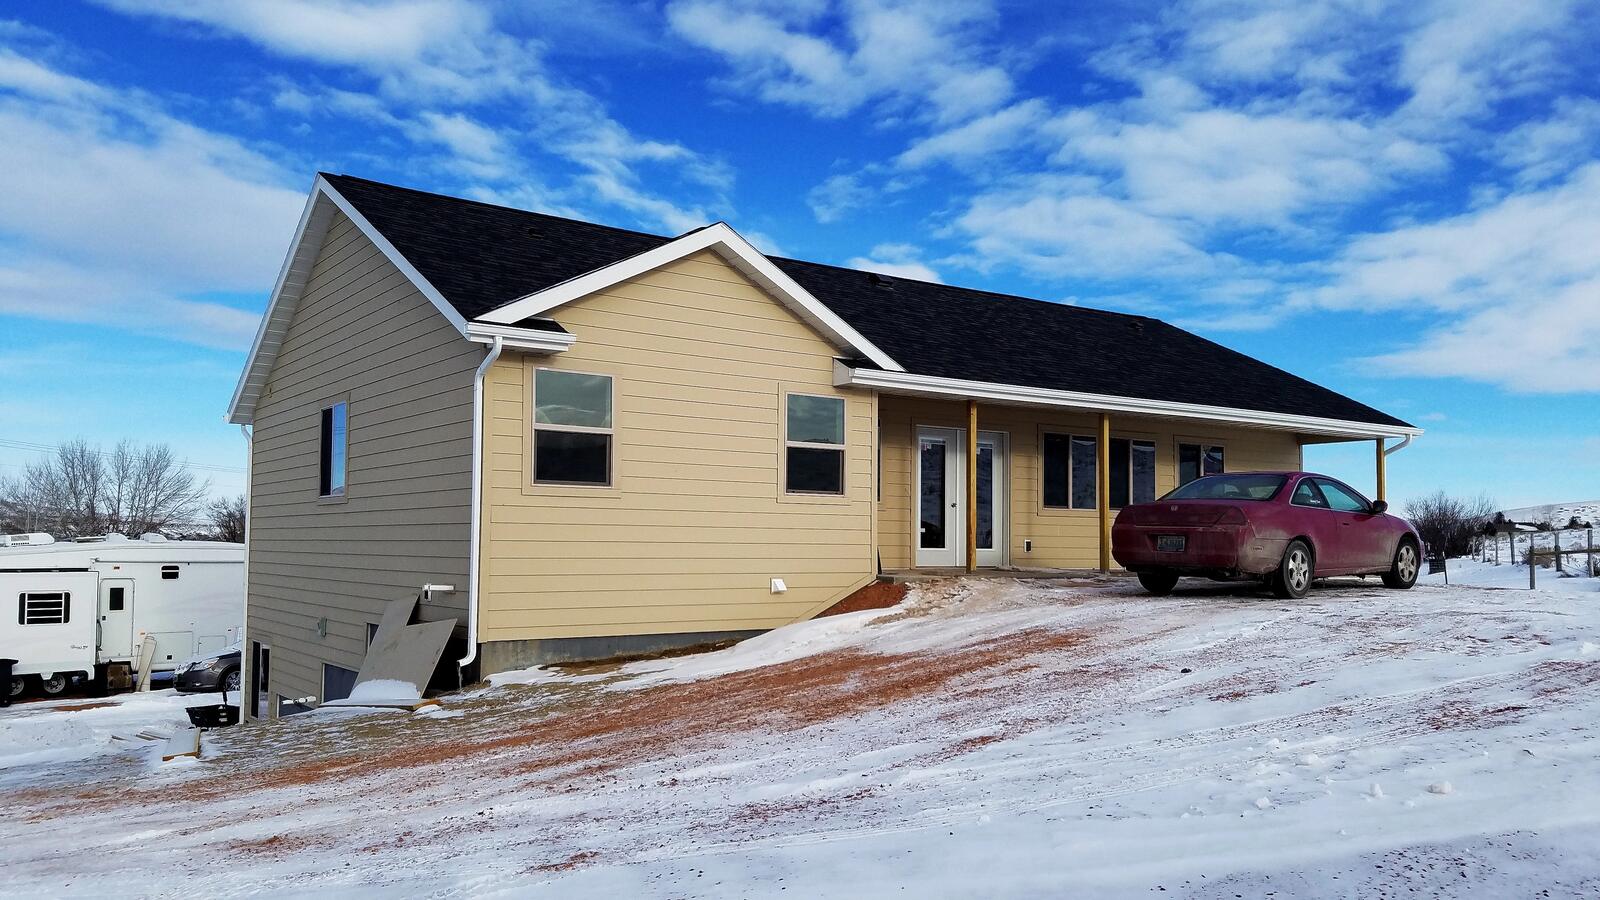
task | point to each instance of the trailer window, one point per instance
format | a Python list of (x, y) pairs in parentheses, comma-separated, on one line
[(115, 599), (53, 608), (169, 573)]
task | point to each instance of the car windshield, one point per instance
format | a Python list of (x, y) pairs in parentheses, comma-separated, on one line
[(1229, 487)]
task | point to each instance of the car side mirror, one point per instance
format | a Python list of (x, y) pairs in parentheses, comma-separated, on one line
[(1379, 507)]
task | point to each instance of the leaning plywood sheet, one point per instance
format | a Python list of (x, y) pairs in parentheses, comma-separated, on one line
[(412, 704), (184, 742), (402, 657)]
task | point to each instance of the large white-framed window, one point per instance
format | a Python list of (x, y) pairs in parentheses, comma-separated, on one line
[(573, 427), (1070, 462), (814, 447), (333, 447), (1196, 460)]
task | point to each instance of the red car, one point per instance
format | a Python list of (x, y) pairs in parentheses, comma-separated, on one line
[(1284, 528)]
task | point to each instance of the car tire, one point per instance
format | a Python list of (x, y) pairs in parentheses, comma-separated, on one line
[(1159, 583), (1405, 569), (55, 685), (1293, 578), (229, 681), (17, 687)]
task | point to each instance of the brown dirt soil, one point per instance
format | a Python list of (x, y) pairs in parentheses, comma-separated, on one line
[(276, 845), (604, 731), (877, 595), (572, 862)]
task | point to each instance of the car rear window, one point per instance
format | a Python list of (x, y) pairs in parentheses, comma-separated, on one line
[(1230, 487)]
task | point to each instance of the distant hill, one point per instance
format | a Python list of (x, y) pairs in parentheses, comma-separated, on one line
[(1556, 513)]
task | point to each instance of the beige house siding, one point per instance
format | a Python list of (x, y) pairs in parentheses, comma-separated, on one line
[(1061, 538), (362, 333), (696, 523)]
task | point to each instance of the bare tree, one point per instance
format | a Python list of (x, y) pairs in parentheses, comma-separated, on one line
[(227, 518), (82, 491), (1448, 523)]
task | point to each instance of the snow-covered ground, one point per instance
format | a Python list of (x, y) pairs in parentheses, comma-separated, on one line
[(38, 737), (1469, 571), (988, 738)]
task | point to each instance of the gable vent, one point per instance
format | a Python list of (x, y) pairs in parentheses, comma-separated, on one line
[(882, 281)]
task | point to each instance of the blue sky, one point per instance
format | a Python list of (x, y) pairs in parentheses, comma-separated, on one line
[(1398, 200)]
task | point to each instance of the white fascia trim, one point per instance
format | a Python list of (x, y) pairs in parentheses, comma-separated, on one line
[(528, 339), (903, 382), (292, 279), (737, 251)]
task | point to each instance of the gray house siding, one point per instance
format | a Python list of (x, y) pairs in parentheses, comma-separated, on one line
[(364, 334)]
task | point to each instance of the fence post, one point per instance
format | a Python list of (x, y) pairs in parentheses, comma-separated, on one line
[(1591, 553), (1497, 548), (1532, 569), (1555, 541)]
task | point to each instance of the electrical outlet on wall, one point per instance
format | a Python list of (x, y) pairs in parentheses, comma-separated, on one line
[(1027, 546)]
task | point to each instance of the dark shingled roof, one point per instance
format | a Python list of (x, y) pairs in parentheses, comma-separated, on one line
[(482, 256)]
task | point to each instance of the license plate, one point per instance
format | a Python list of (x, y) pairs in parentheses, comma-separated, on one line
[(1170, 543)]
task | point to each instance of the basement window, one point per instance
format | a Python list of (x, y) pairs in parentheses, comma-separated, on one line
[(572, 428), (1196, 460), (333, 450), (44, 608), (813, 444)]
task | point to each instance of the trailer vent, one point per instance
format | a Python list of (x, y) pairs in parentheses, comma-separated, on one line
[(169, 573), (52, 608)]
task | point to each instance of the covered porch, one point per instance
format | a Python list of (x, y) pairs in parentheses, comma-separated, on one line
[(973, 476)]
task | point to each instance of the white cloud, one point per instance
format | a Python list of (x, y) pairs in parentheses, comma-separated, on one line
[(838, 196), (914, 55), (980, 138), (1517, 284), (898, 260), (440, 69), (1544, 149), (128, 216)]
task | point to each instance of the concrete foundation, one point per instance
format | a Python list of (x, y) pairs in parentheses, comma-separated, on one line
[(503, 656)]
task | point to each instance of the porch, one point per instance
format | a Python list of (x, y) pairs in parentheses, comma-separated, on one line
[(1029, 490)]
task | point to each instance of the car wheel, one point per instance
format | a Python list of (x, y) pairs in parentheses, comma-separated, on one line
[(230, 680), (54, 685), (1293, 578), (1407, 566), (17, 687), (1159, 583)]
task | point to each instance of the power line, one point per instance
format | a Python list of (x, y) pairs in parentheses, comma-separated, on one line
[(53, 448)]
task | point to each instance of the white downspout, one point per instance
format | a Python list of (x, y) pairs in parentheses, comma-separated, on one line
[(474, 543), (246, 664), (1390, 451)]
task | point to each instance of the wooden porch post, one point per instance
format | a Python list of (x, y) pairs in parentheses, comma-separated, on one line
[(1383, 474), (972, 485), (1102, 489)]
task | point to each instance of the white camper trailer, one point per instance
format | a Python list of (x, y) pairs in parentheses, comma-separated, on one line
[(68, 609)]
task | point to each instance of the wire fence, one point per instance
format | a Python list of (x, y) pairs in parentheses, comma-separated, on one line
[(1565, 550)]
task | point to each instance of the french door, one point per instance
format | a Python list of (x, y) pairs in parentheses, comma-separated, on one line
[(940, 499)]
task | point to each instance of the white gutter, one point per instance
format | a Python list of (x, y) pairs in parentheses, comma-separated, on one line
[(520, 338), (474, 543), (931, 386), (246, 664)]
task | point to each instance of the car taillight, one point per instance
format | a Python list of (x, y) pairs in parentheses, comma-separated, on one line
[(1233, 515)]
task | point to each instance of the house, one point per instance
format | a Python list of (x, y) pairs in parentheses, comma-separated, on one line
[(577, 441)]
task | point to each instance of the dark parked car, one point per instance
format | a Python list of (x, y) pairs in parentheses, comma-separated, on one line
[(1284, 528), (217, 672)]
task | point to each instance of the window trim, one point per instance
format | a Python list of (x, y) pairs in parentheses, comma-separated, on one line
[(843, 448), (1178, 442), (344, 490), (1071, 436), (22, 607), (534, 427)]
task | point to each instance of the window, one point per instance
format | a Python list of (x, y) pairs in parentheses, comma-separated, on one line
[(1133, 472), (337, 682), (52, 608), (372, 633), (1342, 498), (1069, 471), (572, 428), (115, 599), (335, 432), (1197, 460), (1306, 494), (169, 573), (814, 445)]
